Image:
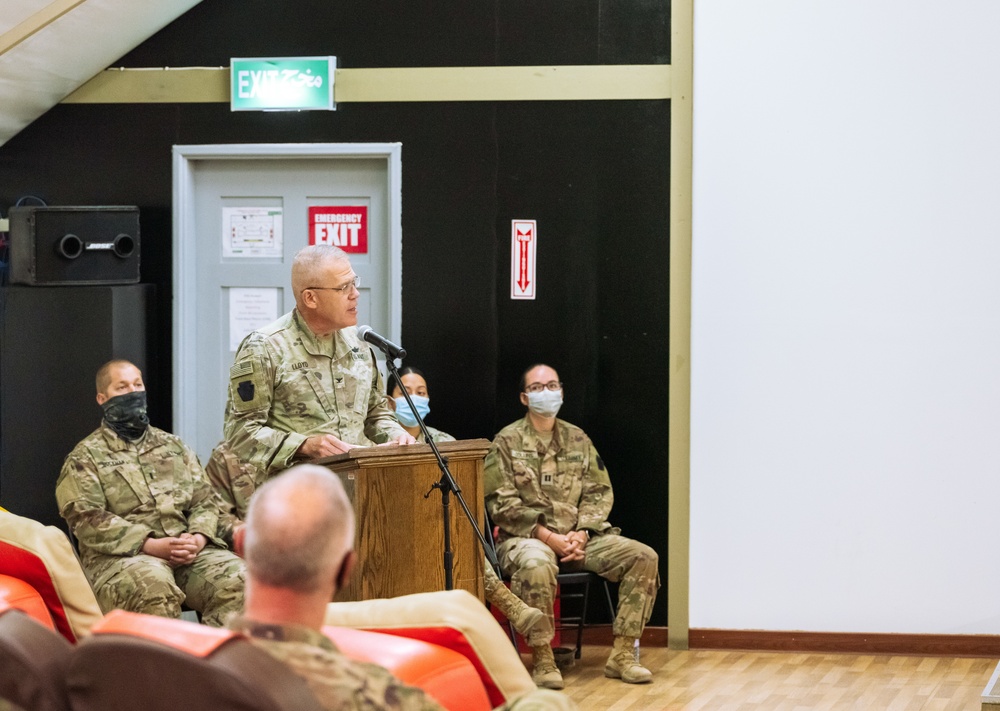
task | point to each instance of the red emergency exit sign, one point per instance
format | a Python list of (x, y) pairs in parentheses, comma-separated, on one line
[(344, 226)]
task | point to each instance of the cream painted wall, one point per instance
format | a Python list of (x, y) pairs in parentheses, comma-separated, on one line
[(845, 446)]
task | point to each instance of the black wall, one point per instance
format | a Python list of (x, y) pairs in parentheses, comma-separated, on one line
[(594, 175)]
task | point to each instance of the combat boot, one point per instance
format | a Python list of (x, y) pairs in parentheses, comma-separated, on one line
[(544, 671), (622, 664), (522, 616)]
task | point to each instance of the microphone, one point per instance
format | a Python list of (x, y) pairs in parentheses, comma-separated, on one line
[(380, 342)]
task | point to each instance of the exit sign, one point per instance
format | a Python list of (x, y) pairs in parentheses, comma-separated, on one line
[(282, 84)]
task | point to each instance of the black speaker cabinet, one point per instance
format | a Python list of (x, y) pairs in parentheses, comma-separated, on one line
[(53, 246), (52, 341)]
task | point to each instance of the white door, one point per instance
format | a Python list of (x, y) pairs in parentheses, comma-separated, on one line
[(241, 212)]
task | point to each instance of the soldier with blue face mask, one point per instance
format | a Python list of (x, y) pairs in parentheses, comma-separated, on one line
[(416, 385), (523, 617), (549, 492)]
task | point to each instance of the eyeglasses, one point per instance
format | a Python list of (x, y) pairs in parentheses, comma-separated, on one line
[(538, 387), (355, 282)]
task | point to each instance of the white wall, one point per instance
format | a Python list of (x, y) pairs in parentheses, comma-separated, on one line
[(845, 455)]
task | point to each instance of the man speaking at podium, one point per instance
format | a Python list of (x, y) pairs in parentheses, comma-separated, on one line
[(306, 386)]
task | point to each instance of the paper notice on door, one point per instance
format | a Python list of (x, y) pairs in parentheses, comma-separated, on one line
[(249, 309), (253, 232)]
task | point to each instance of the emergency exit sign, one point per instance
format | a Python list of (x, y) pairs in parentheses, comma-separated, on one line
[(344, 226), (282, 84)]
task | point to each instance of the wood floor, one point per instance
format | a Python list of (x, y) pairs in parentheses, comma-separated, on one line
[(781, 681)]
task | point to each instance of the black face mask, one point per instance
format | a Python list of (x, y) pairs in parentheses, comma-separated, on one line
[(126, 415)]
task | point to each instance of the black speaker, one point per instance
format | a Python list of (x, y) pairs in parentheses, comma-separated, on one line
[(52, 246), (52, 341)]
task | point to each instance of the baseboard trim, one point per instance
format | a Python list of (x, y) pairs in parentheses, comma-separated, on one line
[(601, 635), (932, 645), (935, 645)]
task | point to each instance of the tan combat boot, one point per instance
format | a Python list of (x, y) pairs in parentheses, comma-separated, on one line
[(544, 671), (523, 617), (622, 663)]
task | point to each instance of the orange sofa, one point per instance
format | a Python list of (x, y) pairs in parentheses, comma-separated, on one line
[(222, 669), (127, 640), (446, 643)]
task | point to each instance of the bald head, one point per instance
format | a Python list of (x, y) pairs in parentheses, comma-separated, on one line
[(309, 264), (299, 529)]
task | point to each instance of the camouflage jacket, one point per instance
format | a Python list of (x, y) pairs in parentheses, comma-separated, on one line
[(563, 486), (436, 435), (288, 384), (234, 481), (337, 682), (114, 494)]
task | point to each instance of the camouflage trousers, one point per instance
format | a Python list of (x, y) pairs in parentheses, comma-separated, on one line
[(533, 566), (211, 585)]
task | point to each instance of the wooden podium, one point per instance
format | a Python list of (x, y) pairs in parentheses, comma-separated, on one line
[(400, 529)]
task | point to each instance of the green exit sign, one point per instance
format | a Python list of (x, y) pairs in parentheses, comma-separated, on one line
[(282, 83)]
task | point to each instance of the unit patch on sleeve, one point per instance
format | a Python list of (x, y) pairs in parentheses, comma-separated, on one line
[(245, 390)]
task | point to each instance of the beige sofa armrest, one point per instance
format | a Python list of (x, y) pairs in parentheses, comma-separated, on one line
[(43, 557)]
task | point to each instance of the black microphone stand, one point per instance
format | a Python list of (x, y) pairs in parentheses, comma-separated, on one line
[(447, 485)]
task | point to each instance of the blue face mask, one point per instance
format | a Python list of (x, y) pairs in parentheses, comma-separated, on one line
[(405, 415)]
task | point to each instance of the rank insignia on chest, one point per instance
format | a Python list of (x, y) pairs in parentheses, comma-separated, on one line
[(339, 380), (547, 479), (245, 390)]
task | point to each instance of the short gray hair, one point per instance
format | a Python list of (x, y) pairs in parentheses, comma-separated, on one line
[(299, 528), (309, 261)]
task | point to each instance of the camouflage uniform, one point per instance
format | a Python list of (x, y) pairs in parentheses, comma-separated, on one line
[(233, 480), (340, 683), (114, 494), (565, 487), (337, 681), (436, 435), (288, 384)]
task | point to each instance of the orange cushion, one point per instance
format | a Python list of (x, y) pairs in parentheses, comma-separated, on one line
[(445, 675), (196, 640), (17, 594)]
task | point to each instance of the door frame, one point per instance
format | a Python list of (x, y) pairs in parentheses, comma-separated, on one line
[(185, 393)]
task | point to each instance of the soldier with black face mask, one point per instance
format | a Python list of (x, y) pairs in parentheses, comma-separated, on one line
[(145, 516)]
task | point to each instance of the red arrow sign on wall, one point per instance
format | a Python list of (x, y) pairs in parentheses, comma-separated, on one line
[(522, 257), (524, 240)]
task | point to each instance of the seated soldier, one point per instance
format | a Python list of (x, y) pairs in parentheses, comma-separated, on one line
[(144, 515), (298, 543), (549, 492)]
